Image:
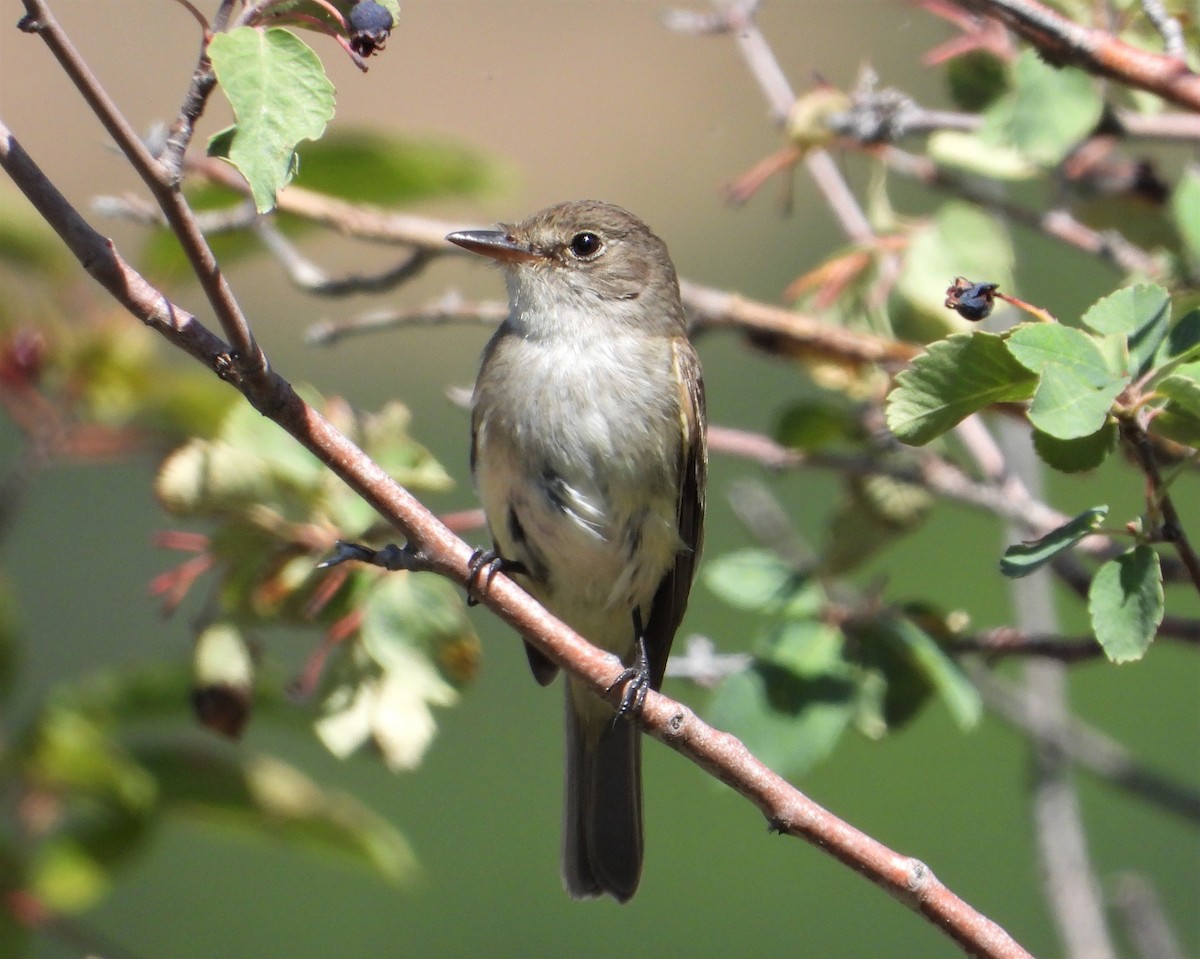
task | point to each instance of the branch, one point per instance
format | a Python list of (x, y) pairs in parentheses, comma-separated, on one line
[(440, 551), (737, 19), (709, 308), (1057, 223), (246, 359), (1068, 877), (1088, 748), (1066, 43), (1161, 502)]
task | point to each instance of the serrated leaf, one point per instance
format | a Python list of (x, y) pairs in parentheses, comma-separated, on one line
[(1185, 208), (1126, 604), (954, 378), (1077, 386), (1141, 313), (1066, 407), (1048, 111), (755, 579), (416, 649), (790, 709), (1080, 454), (280, 96), (1023, 558), (961, 240)]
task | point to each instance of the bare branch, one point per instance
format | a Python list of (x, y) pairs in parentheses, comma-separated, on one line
[(1174, 44), (450, 308), (1057, 223), (309, 277), (246, 357), (1143, 919)]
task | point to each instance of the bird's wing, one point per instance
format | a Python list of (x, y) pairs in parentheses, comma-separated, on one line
[(670, 600)]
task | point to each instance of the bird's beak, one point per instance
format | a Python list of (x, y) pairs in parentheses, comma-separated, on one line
[(496, 244)]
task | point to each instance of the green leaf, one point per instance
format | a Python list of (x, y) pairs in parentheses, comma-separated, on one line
[(1023, 558), (1077, 387), (875, 511), (1125, 603), (364, 166), (818, 420), (976, 78), (70, 751), (961, 240), (973, 154), (1185, 207), (1077, 455), (415, 650), (1141, 313), (1048, 111), (954, 378), (280, 96), (1182, 388), (1179, 417), (269, 800), (758, 580), (1183, 340), (793, 704), (75, 868), (922, 653)]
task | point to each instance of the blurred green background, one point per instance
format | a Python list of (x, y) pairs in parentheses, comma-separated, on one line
[(576, 99)]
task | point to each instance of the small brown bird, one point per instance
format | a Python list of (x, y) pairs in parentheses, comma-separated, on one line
[(588, 451)]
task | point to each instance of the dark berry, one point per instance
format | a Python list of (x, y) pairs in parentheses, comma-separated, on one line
[(972, 301), (370, 24)]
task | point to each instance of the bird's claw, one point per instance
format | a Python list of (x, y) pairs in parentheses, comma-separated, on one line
[(390, 557), (634, 682)]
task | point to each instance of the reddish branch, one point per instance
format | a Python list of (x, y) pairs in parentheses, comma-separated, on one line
[(1066, 43)]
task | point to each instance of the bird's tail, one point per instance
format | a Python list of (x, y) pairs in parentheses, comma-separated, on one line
[(602, 810)]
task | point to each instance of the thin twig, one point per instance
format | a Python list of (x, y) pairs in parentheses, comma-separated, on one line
[(247, 358), (306, 275), (1174, 44), (449, 308), (194, 100), (1172, 526), (1141, 913), (737, 19)]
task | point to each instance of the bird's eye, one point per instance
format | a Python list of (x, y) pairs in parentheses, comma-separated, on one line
[(585, 245)]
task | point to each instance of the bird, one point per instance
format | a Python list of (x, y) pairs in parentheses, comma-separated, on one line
[(589, 455)]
